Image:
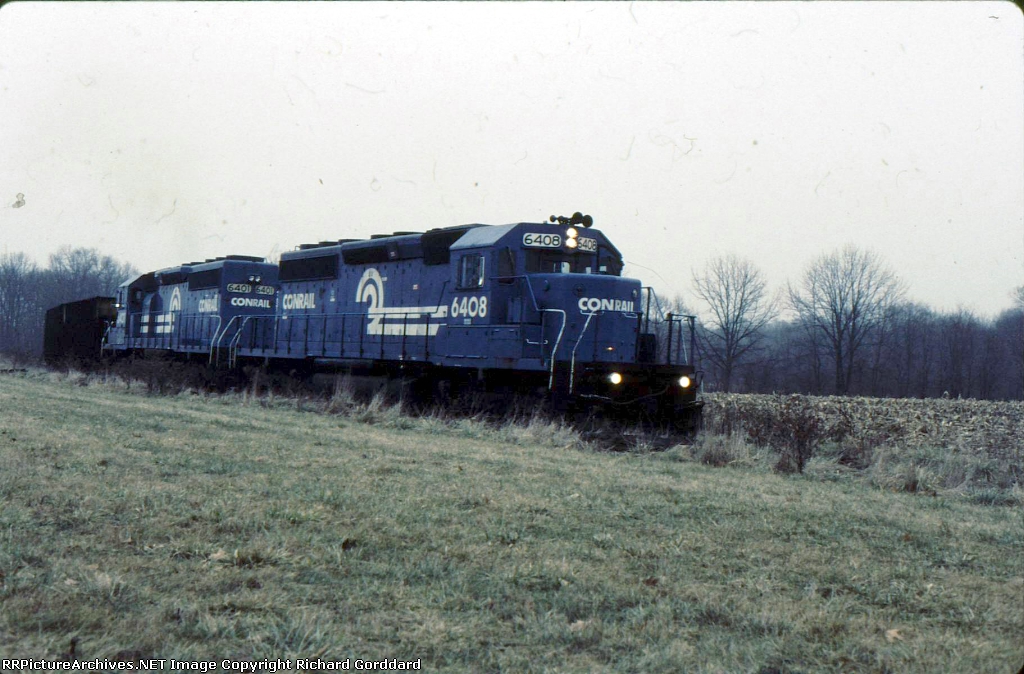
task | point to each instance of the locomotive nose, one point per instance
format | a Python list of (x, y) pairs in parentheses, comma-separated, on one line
[(600, 323), (597, 294)]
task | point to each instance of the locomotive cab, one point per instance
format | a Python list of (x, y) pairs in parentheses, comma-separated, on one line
[(591, 329)]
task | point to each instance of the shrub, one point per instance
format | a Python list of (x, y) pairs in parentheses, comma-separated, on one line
[(720, 450), (795, 431)]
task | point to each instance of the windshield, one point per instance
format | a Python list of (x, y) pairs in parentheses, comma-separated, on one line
[(603, 261)]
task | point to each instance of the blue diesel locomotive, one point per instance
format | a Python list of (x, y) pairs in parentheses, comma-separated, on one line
[(185, 309), (525, 307)]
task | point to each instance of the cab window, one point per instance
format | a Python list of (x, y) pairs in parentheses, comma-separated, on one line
[(471, 272), (557, 262), (608, 262), (548, 262), (506, 266)]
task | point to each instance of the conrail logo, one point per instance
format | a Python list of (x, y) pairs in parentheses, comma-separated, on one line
[(385, 320), (589, 305)]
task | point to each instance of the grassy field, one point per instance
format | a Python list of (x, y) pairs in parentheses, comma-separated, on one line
[(209, 527)]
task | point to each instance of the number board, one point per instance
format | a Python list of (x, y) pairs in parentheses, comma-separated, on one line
[(535, 240), (587, 245)]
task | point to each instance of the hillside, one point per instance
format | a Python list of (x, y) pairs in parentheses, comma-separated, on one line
[(209, 527)]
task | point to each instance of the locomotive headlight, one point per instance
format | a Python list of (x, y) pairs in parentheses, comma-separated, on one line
[(684, 381), (570, 243), (571, 233), (615, 378)]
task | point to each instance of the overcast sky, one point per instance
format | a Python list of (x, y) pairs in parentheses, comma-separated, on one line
[(168, 132)]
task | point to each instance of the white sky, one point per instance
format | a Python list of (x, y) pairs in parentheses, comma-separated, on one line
[(168, 132)]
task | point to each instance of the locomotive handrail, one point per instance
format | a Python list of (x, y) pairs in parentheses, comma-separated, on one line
[(404, 335), (529, 286), (215, 340), (670, 319), (558, 341), (237, 337), (533, 296), (572, 362), (103, 340), (170, 339), (233, 343), (657, 301)]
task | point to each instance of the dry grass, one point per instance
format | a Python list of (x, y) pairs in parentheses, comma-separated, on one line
[(250, 526)]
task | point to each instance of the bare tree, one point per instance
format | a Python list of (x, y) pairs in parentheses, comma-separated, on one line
[(736, 295), (880, 344), (843, 296), (78, 273), (17, 301), (26, 291), (1009, 327), (912, 350), (960, 334)]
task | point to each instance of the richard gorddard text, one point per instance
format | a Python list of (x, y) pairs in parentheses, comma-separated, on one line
[(300, 664)]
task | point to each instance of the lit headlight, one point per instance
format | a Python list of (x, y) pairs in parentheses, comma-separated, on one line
[(684, 381), (571, 233), (615, 378), (570, 243)]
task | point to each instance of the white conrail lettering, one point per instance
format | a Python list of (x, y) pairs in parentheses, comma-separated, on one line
[(250, 302), (209, 305), (592, 304), (299, 301)]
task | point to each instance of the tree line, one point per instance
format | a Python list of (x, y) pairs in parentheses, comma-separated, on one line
[(845, 327), (28, 290)]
